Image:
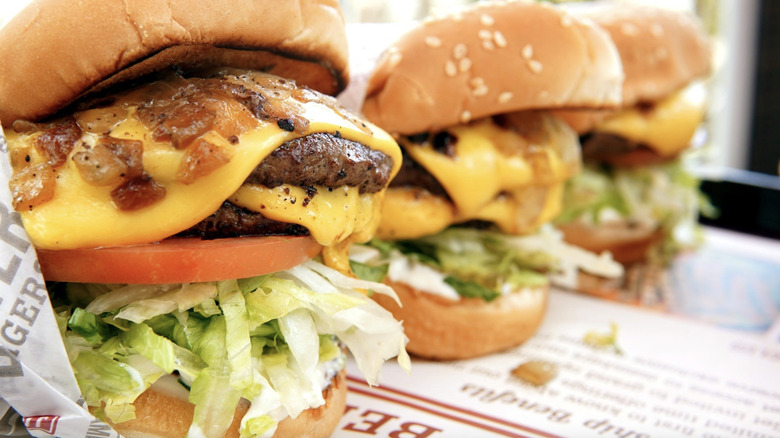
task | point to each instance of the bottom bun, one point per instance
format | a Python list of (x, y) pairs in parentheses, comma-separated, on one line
[(161, 415), (628, 243), (443, 329)]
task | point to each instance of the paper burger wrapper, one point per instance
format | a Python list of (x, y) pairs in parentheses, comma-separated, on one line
[(38, 391)]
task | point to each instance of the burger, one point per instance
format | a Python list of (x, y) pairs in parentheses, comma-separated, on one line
[(634, 197), (467, 96), (192, 190)]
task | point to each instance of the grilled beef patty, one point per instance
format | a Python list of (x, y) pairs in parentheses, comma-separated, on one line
[(602, 147), (317, 159), (415, 175)]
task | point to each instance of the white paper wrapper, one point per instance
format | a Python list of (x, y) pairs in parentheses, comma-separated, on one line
[(36, 380)]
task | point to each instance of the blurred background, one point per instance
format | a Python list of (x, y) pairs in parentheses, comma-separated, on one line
[(739, 150), (738, 155)]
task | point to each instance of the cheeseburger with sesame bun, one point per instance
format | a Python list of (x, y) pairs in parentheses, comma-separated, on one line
[(468, 98), (634, 198), (183, 173)]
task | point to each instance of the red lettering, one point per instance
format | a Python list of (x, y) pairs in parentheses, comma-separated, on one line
[(406, 430), (373, 426)]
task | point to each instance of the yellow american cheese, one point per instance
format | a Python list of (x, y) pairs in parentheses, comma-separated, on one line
[(524, 210), (667, 128), (330, 215), (411, 212), (484, 181), (83, 216)]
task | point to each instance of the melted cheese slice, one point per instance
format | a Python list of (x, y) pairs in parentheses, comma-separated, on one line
[(330, 215), (517, 191), (668, 127), (83, 216), (411, 212), (524, 210)]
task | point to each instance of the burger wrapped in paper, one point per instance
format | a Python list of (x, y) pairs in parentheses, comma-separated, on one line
[(192, 192)]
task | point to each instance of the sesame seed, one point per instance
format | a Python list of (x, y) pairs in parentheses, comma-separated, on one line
[(535, 66), (566, 21), (395, 59), (486, 20), (629, 29), (488, 45), (450, 69), (656, 30), (544, 94), (477, 82), (432, 41), (480, 91), (459, 51), (485, 34), (505, 97), (499, 39), (465, 116), (528, 51), (464, 65)]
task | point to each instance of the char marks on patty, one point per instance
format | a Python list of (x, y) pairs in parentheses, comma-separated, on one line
[(327, 160), (412, 174), (317, 159), (233, 221), (602, 147)]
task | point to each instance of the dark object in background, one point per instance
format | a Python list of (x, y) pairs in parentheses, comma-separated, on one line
[(747, 202)]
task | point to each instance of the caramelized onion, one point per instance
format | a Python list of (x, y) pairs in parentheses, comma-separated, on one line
[(180, 122), (110, 161), (101, 120), (201, 159), (57, 140), (137, 193), (32, 186), (536, 131)]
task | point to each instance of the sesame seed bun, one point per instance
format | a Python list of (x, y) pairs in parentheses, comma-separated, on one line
[(303, 40), (162, 415), (490, 59), (443, 329), (662, 51)]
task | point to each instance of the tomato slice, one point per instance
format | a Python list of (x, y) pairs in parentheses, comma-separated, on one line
[(180, 260)]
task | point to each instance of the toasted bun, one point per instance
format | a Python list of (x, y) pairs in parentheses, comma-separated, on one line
[(115, 41), (662, 52), (443, 329), (490, 59), (159, 415), (628, 243)]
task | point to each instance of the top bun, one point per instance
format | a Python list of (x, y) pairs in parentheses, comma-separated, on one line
[(490, 59), (662, 50), (47, 59)]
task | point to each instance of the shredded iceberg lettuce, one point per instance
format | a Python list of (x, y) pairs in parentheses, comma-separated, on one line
[(478, 263), (264, 339), (664, 195)]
